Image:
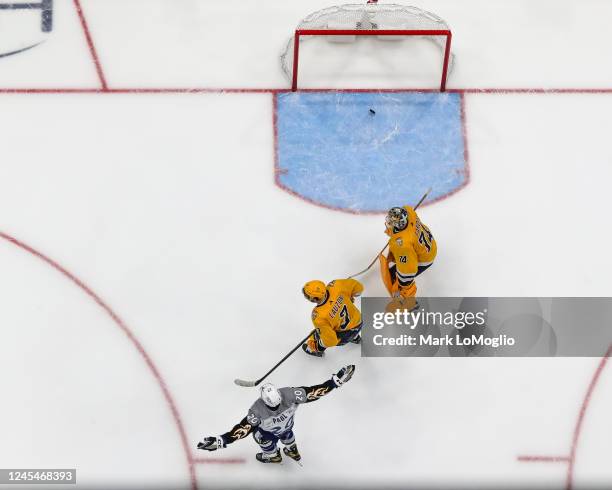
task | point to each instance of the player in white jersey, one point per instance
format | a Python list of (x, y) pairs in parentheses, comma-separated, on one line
[(270, 418)]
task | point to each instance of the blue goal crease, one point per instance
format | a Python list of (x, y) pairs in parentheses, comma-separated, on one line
[(366, 152)]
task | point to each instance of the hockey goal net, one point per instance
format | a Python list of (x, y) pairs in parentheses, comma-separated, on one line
[(351, 22)]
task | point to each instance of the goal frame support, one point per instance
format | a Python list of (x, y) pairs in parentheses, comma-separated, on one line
[(370, 32)]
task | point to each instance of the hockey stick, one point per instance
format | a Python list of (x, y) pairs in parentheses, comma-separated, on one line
[(422, 199), (387, 244), (250, 384)]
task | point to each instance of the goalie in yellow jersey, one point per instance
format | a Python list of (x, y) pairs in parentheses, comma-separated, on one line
[(412, 250), (336, 318)]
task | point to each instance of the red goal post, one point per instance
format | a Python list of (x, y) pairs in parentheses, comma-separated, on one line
[(371, 32), (350, 22)]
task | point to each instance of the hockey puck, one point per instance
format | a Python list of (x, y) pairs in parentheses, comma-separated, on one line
[(372, 111)]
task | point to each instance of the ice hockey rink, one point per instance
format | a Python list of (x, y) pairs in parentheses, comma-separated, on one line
[(151, 251)]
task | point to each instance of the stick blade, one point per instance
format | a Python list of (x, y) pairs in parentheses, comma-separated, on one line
[(246, 384)]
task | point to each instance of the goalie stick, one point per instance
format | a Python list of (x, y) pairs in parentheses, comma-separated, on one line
[(387, 244), (250, 384)]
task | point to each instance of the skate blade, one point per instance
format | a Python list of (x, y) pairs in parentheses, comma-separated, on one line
[(298, 462)]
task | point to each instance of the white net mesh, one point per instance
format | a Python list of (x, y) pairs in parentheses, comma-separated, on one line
[(369, 16)]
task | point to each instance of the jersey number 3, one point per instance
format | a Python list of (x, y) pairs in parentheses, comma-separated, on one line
[(345, 317)]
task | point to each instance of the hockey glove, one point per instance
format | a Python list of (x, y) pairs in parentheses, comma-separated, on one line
[(306, 348), (344, 375), (314, 345), (211, 443), (319, 345)]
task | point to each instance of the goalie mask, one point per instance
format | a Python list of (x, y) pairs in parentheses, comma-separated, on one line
[(271, 395), (314, 291), (397, 219)]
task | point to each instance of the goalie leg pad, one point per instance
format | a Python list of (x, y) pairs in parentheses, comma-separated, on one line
[(404, 300), (408, 291), (385, 273), (408, 295)]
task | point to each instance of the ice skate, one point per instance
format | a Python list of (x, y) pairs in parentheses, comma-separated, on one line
[(269, 458), (292, 452)]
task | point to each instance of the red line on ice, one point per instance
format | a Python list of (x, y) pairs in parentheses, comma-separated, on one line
[(234, 90), (543, 459), (135, 342), (534, 91), (583, 410), (571, 459), (466, 156), (277, 169), (90, 44), (466, 152), (219, 460), (136, 91)]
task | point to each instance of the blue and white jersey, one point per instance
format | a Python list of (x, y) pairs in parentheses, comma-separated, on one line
[(280, 420)]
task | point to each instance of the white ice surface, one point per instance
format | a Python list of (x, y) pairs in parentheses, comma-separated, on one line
[(165, 205), (236, 43), (61, 61)]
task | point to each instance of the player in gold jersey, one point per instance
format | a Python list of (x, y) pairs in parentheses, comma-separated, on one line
[(336, 318), (412, 250)]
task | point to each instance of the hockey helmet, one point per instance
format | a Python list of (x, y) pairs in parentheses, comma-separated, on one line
[(314, 291), (271, 395), (397, 218)]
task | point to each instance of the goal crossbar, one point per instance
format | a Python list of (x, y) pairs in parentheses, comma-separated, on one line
[(371, 32)]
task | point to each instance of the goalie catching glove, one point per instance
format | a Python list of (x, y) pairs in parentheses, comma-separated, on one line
[(211, 443)]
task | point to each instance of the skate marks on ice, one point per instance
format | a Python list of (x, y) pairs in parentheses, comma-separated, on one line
[(363, 152)]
